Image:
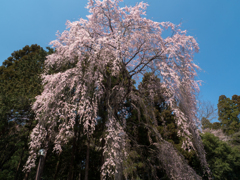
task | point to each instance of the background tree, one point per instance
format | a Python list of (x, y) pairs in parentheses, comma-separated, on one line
[(144, 161), (206, 123), (223, 159), (228, 112), (206, 110), (221, 140), (19, 83), (235, 141)]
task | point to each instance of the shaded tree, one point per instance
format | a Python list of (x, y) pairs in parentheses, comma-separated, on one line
[(144, 161), (228, 112), (206, 123), (235, 141), (224, 160), (19, 84)]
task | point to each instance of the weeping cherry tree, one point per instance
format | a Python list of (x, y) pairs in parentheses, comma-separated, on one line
[(112, 40)]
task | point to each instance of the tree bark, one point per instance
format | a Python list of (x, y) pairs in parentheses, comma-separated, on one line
[(79, 176), (41, 166), (70, 174), (78, 150), (102, 158), (57, 168), (26, 176), (103, 140), (38, 168), (43, 163), (87, 161), (119, 174), (19, 163)]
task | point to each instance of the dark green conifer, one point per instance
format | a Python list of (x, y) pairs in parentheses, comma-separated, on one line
[(19, 83), (228, 112)]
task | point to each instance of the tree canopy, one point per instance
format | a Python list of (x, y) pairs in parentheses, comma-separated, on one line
[(115, 39), (229, 113), (223, 159), (20, 82)]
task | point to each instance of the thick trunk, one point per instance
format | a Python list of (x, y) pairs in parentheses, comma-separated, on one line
[(87, 161), (41, 166)]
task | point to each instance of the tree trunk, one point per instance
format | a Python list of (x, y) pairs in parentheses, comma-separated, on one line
[(38, 168), (70, 174), (26, 176), (43, 163), (103, 140), (78, 151), (119, 174), (87, 161), (41, 166), (19, 163), (57, 168), (102, 158)]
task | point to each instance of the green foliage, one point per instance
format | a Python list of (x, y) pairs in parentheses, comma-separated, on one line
[(19, 83), (216, 125), (224, 157), (142, 158), (235, 141), (224, 160), (228, 112), (206, 123)]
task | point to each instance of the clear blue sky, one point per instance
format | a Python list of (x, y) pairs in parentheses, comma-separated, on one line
[(214, 23)]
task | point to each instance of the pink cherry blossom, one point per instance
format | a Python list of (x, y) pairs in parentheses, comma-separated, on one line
[(123, 37)]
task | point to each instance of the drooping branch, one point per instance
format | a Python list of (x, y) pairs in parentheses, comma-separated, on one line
[(120, 43)]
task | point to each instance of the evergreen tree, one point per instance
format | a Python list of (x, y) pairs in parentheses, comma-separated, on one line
[(206, 123), (221, 140), (228, 112), (223, 159), (236, 140), (143, 163), (216, 125), (19, 83)]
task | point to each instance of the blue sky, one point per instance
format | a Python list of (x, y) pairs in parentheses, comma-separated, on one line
[(214, 24)]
